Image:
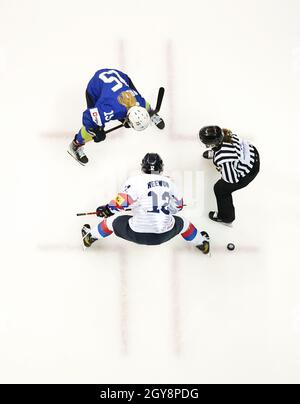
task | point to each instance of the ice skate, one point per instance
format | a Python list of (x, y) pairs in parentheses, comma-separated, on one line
[(76, 151), (204, 247), (215, 218), (87, 239), (208, 154), (158, 121)]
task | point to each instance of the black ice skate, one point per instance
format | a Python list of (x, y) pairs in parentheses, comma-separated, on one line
[(215, 218), (158, 121), (87, 239), (204, 247), (76, 151), (208, 154)]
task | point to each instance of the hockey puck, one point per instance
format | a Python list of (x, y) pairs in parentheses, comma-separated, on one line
[(230, 246)]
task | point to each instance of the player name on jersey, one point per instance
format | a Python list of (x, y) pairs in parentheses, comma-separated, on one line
[(153, 184)]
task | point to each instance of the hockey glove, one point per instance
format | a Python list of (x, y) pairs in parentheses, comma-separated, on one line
[(104, 211), (173, 206), (98, 134)]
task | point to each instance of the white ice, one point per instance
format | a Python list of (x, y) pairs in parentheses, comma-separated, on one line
[(121, 313)]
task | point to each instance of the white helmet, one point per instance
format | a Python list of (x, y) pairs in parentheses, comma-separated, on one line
[(138, 118)]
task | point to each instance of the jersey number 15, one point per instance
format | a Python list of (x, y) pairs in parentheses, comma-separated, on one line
[(112, 76)]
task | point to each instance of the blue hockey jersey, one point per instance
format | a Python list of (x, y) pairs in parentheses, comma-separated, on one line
[(103, 90)]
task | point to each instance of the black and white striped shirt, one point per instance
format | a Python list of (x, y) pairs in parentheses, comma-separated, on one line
[(234, 160)]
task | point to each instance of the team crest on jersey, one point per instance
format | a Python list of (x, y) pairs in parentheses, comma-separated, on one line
[(120, 200)]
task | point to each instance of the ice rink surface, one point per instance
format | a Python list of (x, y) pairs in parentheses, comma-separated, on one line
[(122, 313)]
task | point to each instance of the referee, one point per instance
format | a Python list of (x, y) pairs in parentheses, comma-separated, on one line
[(236, 160)]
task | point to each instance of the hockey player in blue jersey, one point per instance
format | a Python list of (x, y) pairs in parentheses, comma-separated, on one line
[(111, 95)]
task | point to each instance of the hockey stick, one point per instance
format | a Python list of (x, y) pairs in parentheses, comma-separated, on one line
[(115, 128), (160, 96), (95, 213)]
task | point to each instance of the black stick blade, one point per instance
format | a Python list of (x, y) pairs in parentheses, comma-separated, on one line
[(161, 93)]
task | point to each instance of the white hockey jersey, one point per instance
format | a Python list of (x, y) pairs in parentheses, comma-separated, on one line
[(153, 199)]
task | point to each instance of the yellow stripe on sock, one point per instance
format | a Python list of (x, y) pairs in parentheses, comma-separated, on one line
[(86, 135)]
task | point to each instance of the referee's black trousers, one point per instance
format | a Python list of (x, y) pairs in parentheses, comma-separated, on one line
[(223, 191)]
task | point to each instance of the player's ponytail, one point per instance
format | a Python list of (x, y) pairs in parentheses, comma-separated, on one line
[(227, 135), (127, 99)]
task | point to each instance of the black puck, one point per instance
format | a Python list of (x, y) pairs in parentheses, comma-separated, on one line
[(230, 246)]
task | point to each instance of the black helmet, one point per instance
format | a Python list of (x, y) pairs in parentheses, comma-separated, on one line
[(152, 164), (211, 135)]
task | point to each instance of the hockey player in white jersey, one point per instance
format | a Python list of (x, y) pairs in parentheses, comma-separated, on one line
[(154, 200)]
